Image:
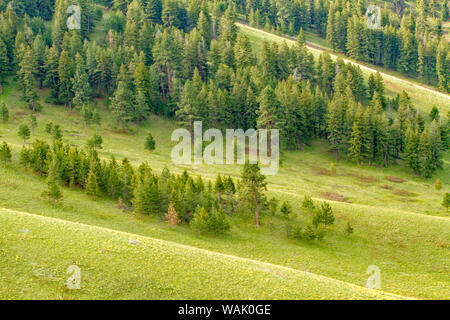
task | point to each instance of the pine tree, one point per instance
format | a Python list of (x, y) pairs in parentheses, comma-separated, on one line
[(412, 151), (172, 216), (4, 113), (80, 84), (53, 191), (24, 132), (33, 122), (65, 74), (92, 188), (356, 142), (122, 101), (254, 185), (5, 153), (26, 74), (446, 201), (4, 61), (426, 163), (434, 114), (150, 142), (146, 196)]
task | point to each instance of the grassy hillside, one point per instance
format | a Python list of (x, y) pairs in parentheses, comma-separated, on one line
[(399, 224), (423, 97), (410, 248), (36, 252)]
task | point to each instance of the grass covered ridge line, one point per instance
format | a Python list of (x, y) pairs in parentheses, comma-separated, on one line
[(37, 250)]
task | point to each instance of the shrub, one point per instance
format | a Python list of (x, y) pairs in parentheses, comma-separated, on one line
[(53, 191), (95, 142), (317, 227), (209, 223), (333, 169), (307, 203), (150, 143), (348, 229), (286, 209), (438, 184), (323, 215), (273, 206)]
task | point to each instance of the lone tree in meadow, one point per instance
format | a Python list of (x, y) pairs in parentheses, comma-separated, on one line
[(24, 132), (150, 143), (5, 153), (254, 186), (446, 201)]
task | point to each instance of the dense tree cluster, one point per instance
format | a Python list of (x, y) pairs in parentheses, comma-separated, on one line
[(410, 38), (186, 60), (177, 198)]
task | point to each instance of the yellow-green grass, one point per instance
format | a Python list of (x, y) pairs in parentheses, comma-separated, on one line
[(410, 249), (423, 97), (36, 252)]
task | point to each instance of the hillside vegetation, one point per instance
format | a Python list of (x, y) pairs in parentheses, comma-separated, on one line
[(87, 177)]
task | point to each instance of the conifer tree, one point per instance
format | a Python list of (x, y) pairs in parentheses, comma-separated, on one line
[(4, 112), (446, 201), (33, 122), (254, 185), (92, 188), (150, 142), (172, 216), (4, 61), (26, 76), (80, 84), (5, 154), (24, 132), (121, 103)]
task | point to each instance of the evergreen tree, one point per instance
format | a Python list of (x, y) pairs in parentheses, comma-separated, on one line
[(26, 75), (150, 142), (122, 101), (33, 122), (446, 201), (4, 113), (5, 153), (80, 84), (254, 185), (92, 188), (53, 191), (172, 216), (4, 61), (24, 132)]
